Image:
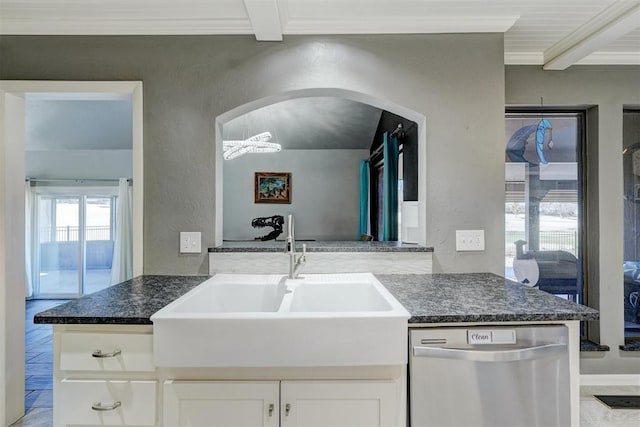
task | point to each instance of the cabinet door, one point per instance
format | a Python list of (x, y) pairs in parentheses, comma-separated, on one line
[(221, 403), (339, 403)]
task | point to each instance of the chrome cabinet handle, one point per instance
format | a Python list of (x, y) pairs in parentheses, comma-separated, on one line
[(98, 406), (100, 354), (548, 350), (287, 409), (271, 409)]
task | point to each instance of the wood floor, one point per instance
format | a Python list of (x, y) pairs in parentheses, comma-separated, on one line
[(38, 368)]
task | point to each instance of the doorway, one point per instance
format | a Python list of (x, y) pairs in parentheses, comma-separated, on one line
[(12, 219)]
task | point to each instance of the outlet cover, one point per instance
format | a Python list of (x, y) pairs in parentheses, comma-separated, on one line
[(190, 242), (469, 240)]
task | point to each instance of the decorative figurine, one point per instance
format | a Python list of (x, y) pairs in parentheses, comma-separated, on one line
[(276, 222)]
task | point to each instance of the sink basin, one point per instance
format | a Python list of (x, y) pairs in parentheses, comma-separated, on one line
[(234, 294), (338, 297), (245, 320)]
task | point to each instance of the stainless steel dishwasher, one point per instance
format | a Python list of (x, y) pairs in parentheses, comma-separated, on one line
[(489, 376)]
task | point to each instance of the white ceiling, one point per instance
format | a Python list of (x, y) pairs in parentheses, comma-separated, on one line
[(552, 33)]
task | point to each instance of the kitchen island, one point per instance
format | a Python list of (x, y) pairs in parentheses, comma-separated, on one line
[(122, 314)]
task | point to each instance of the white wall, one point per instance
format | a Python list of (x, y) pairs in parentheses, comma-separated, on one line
[(12, 274), (79, 164), (78, 136), (325, 193)]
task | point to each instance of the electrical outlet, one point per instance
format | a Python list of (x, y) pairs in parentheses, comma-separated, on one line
[(190, 242), (469, 240)]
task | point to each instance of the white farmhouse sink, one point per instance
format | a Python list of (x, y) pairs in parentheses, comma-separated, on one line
[(244, 320)]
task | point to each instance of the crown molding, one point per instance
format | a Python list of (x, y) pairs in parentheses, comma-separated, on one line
[(523, 58), (401, 25), (116, 26), (275, 24)]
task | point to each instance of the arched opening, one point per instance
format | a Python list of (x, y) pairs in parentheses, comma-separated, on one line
[(225, 121)]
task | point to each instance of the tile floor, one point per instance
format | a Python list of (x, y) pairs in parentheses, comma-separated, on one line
[(39, 382), (594, 413), (38, 368)]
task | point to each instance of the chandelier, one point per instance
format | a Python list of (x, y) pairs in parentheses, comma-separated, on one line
[(256, 144)]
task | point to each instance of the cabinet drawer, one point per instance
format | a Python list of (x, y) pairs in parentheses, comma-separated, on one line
[(101, 402), (81, 351)]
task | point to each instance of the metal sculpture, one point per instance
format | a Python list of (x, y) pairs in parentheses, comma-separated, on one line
[(276, 222)]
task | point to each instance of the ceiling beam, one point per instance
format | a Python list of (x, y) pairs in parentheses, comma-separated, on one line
[(612, 23), (265, 19)]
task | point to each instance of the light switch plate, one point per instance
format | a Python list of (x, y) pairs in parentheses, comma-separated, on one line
[(469, 240), (190, 242)]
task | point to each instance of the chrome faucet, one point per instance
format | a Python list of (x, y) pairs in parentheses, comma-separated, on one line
[(294, 264)]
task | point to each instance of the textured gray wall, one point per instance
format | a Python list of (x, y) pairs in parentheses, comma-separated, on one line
[(325, 193), (606, 90), (456, 81)]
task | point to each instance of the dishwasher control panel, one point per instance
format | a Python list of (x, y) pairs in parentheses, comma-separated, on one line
[(491, 336)]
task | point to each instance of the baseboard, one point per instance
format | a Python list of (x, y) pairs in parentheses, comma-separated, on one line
[(610, 379)]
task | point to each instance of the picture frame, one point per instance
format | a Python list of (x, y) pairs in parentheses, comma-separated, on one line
[(272, 187)]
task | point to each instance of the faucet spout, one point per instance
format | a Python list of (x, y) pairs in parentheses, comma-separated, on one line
[(294, 264)]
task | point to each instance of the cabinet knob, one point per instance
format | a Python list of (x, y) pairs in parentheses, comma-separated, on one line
[(98, 406), (287, 409), (100, 354)]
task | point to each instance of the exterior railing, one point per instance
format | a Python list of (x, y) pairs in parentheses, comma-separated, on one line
[(71, 233)]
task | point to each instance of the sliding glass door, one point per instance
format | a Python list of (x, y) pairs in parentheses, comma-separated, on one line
[(72, 251), (58, 245)]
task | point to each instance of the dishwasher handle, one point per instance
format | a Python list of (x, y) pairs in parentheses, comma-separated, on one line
[(516, 355)]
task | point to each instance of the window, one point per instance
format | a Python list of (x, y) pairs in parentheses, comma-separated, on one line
[(631, 172), (73, 241), (544, 200)]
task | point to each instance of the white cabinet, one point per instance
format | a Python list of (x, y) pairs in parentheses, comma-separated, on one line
[(287, 403), (339, 403), (221, 403), (106, 352), (107, 402), (104, 376)]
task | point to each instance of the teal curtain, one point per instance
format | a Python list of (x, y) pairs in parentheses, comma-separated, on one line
[(390, 189), (363, 227)]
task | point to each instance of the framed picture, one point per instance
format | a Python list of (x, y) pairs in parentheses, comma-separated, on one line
[(273, 187)]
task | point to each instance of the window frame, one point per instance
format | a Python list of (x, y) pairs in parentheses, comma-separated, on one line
[(582, 181)]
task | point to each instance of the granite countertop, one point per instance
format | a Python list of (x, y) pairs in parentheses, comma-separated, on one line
[(127, 303), (478, 297), (320, 246), (429, 298)]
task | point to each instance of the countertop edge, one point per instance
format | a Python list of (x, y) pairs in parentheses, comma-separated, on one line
[(367, 247)]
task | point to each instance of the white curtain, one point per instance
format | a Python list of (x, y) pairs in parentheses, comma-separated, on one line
[(29, 236), (122, 265)]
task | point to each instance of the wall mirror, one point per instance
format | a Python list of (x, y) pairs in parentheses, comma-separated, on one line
[(318, 139)]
